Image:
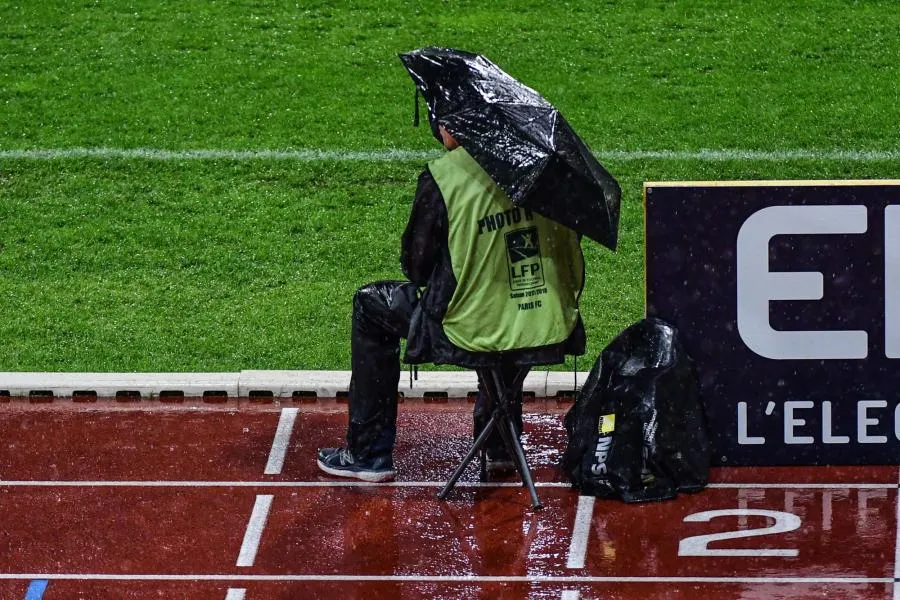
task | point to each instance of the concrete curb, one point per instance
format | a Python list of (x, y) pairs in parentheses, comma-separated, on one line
[(250, 383)]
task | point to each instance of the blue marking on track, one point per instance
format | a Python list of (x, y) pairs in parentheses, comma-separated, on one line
[(36, 589)]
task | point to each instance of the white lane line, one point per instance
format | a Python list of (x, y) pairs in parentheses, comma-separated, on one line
[(442, 578), (897, 545), (406, 484), (397, 154), (580, 532), (271, 484), (254, 532), (235, 594), (803, 486), (282, 438), (570, 595)]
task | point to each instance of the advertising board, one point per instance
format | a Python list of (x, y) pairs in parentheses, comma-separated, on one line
[(787, 296)]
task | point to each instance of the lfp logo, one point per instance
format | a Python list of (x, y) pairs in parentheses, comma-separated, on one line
[(787, 295), (523, 251)]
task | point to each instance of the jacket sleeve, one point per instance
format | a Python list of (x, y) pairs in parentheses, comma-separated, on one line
[(425, 232)]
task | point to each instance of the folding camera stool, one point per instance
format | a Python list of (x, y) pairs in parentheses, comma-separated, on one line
[(498, 399)]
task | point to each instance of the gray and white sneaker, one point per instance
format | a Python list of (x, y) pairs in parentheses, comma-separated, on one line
[(341, 462)]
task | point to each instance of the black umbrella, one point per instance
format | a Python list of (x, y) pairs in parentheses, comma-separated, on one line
[(519, 139)]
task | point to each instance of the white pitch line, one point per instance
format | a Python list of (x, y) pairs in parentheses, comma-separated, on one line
[(723, 154), (254, 532), (398, 154), (235, 594), (306, 155), (281, 441), (580, 532)]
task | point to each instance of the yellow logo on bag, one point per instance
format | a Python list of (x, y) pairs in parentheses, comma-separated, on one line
[(607, 424)]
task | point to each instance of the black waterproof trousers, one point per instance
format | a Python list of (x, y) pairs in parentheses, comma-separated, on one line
[(381, 316)]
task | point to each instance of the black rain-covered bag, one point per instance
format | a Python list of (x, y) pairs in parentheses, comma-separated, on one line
[(637, 430)]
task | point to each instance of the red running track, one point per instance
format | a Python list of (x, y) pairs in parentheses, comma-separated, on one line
[(225, 503)]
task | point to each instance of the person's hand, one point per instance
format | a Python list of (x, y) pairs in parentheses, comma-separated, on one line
[(448, 140)]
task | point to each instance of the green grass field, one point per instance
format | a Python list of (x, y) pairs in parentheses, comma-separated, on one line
[(114, 262)]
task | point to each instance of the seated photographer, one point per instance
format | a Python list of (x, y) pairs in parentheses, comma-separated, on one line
[(484, 276)]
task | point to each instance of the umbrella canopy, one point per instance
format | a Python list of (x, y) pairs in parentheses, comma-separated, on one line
[(519, 139)]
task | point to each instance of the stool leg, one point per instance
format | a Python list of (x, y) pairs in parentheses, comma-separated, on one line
[(522, 464), (479, 442)]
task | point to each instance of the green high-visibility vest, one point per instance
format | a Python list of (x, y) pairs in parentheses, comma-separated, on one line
[(518, 274)]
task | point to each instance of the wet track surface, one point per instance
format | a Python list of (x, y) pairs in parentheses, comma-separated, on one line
[(113, 501)]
